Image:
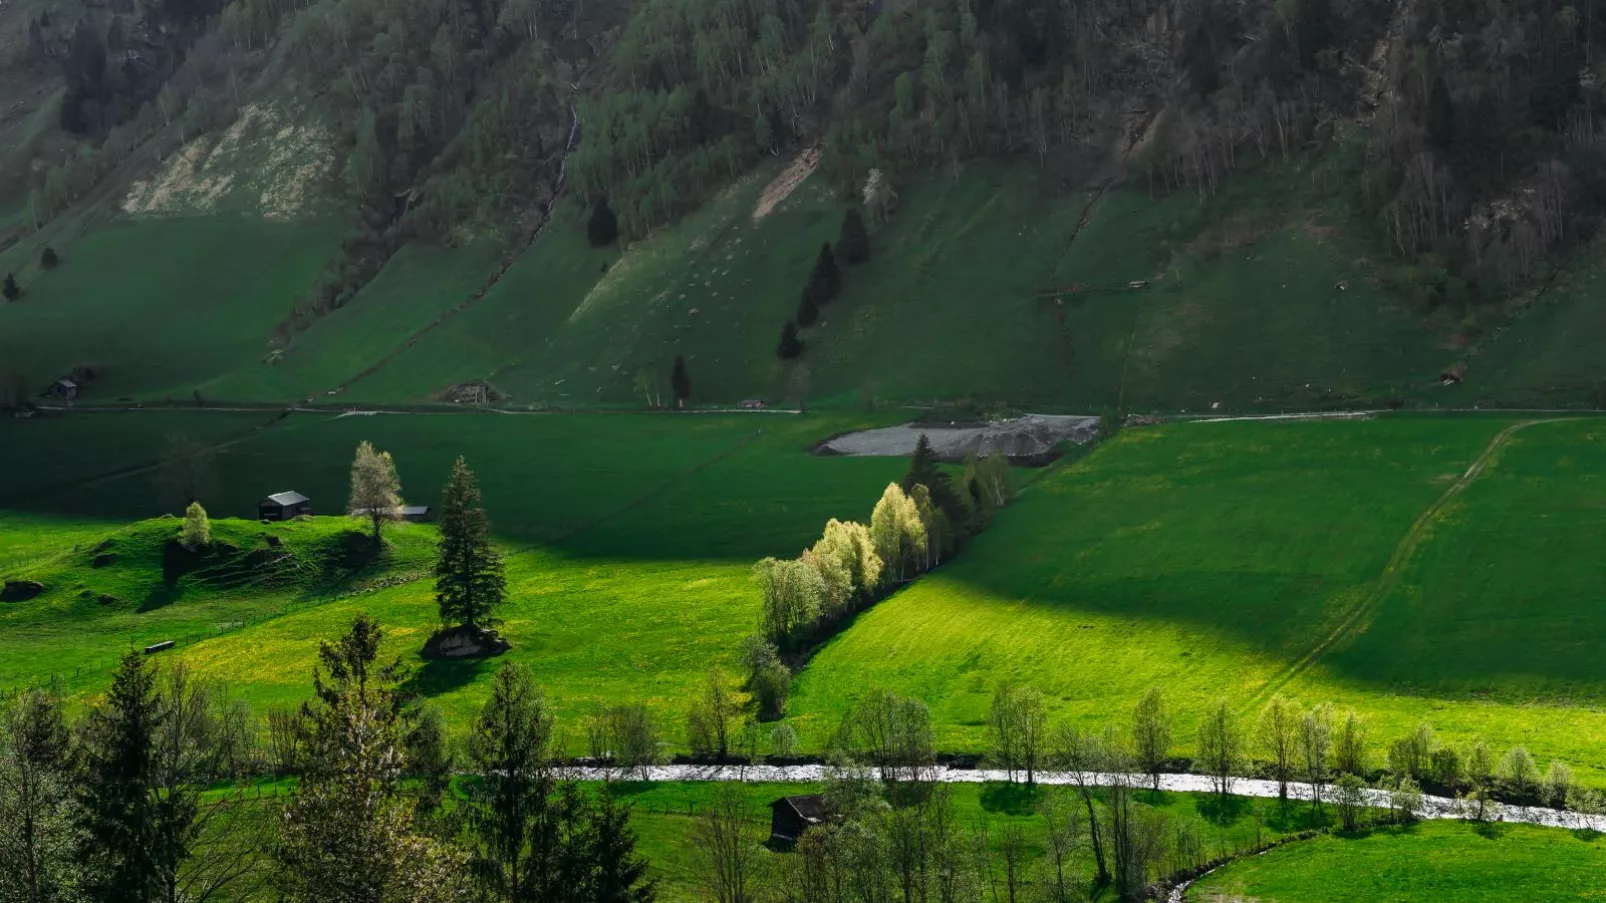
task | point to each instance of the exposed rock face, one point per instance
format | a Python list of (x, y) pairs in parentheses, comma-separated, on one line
[(465, 642), (21, 590)]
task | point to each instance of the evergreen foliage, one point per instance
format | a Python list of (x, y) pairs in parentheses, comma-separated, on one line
[(469, 581), (9, 287), (347, 833), (825, 281), (790, 347), (603, 227), (854, 242), (680, 382), (48, 259)]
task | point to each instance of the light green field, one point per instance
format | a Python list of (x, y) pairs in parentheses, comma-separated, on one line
[(164, 306), (648, 528), (1234, 560), (1433, 862)]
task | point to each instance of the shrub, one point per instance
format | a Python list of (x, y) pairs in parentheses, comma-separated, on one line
[(196, 533), (1558, 784), (9, 288), (1351, 801), (48, 260)]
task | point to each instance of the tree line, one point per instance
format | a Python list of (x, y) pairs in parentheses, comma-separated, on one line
[(124, 803), (918, 523)]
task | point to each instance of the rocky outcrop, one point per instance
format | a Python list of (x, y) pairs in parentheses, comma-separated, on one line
[(20, 590), (465, 642)]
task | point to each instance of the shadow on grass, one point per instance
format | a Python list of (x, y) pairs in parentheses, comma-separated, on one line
[(159, 597), (1587, 835), (439, 676), (1491, 830), (1010, 799), (1224, 810)]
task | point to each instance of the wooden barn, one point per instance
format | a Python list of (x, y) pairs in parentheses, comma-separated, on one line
[(790, 816), (283, 506)]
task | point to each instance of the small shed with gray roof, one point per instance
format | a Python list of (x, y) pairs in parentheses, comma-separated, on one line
[(283, 506)]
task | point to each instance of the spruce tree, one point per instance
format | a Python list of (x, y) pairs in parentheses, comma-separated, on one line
[(48, 259), (854, 242), (925, 470), (680, 381), (469, 582), (603, 227), (9, 288), (791, 346), (808, 312), (825, 281), (123, 822)]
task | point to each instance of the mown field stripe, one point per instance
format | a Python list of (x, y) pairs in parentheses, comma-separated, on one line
[(1353, 620)]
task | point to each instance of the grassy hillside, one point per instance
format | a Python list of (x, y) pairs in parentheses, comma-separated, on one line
[(1342, 562), (1432, 862), (648, 525), (982, 281), (162, 307)]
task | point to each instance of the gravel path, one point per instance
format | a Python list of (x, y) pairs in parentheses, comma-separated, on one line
[(1022, 437), (1433, 807)]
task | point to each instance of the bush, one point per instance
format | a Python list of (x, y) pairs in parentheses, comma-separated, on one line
[(196, 533), (768, 678), (48, 259), (1351, 801), (10, 289), (783, 742)]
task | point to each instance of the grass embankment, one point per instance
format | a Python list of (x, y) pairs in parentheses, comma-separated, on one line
[(647, 527), (1432, 862), (1234, 560), (160, 307)]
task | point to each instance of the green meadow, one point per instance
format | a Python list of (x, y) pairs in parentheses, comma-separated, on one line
[(1343, 562), (1432, 862)]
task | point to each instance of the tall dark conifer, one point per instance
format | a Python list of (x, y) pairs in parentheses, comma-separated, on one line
[(791, 346), (680, 381), (854, 242), (124, 823), (925, 470), (469, 582), (9, 287)]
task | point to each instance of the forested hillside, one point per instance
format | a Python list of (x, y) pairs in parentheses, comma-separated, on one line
[(1449, 147)]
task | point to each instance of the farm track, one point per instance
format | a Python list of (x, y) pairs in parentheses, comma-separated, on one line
[(1353, 621)]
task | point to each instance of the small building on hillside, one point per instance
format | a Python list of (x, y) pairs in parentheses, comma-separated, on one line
[(283, 506), (790, 816), (752, 404), (416, 514), (63, 390)]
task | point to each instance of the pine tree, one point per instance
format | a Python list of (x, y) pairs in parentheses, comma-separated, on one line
[(603, 227), (791, 346), (854, 242), (469, 582), (617, 874), (347, 834), (9, 288), (925, 470), (680, 381), (825, 280), (48, 259), (196, 533), (123, 822), (375, 488), (808, 312)]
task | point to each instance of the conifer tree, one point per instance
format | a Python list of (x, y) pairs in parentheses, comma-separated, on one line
[(375, 488), (48, 260), (680, 382), (9, 288), (124, 825), (854, 242), (825, 280), (791, 346), (469, 582), (603, 227), (925, 470), (808, 312), (347, 834)]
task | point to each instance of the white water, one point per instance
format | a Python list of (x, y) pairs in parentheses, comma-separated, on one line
[(1433, 807)]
